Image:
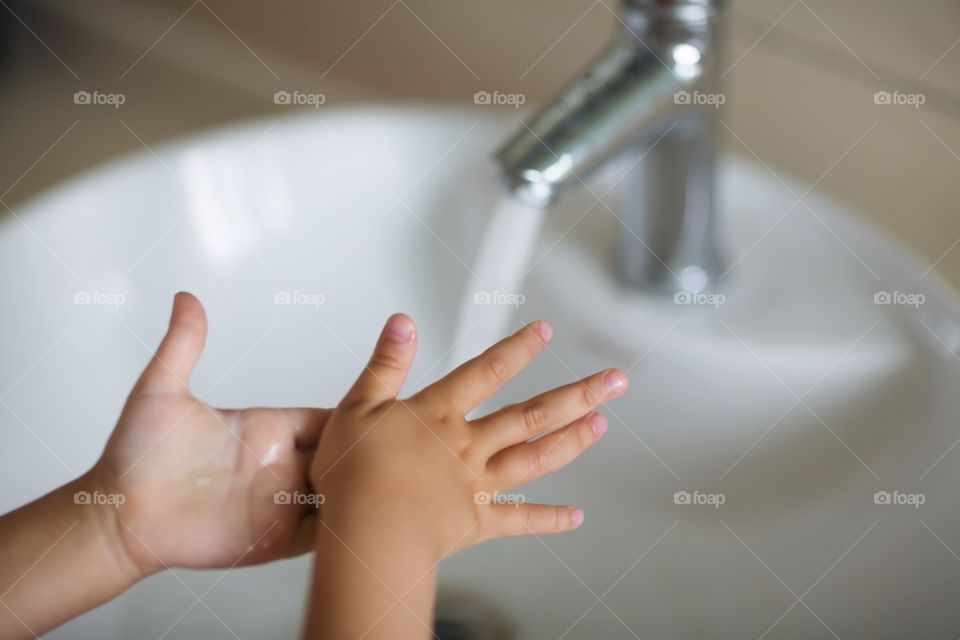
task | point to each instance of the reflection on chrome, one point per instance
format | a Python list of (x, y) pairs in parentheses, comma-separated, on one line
[(652, 98)]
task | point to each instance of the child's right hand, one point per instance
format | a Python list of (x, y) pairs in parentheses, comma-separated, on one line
[(420, 470)]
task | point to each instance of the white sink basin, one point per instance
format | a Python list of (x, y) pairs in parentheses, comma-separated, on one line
[(375, 210)]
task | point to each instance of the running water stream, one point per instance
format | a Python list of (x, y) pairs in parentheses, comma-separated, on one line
[(495, 290)]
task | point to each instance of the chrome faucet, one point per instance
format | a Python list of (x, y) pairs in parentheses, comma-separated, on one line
[(651, 99)]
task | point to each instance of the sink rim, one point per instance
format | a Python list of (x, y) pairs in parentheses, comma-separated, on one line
[(908, 256)]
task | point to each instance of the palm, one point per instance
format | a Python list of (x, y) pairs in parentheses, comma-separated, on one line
[(199, 483)]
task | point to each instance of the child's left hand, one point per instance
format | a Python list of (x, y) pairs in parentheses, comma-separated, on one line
[(203, 487)]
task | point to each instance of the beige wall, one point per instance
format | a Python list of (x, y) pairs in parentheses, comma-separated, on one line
[(800, 86)]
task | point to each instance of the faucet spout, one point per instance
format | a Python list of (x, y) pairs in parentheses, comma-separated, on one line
[(651, 94)]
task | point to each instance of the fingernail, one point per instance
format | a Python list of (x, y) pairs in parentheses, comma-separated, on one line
[(615, 382), (576, 517), (599, 424), (399, 329), (545, 330)]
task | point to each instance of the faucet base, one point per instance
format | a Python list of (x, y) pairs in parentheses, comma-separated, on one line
[(667, 208)]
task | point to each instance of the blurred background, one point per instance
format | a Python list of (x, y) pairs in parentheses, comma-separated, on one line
[(800, 82)]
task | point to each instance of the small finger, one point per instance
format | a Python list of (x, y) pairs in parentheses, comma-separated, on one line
[(528, 461), (532, 519), (467, 386), (550, 410), (382, 378)]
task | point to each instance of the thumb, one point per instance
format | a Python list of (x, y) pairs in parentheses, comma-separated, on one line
[(383, 376), (178, 353)]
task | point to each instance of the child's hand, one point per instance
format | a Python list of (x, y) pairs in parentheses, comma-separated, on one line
[(407, 482), (421, 470), (198, 483)]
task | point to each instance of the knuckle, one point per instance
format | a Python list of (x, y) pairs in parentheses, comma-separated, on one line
[(534, 418), (542, 519), (496, 368), (589, 395), (529, 519), (539, 460), (461, 443), (584, 434), (532, 341), (386, 360), (556, 522)]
